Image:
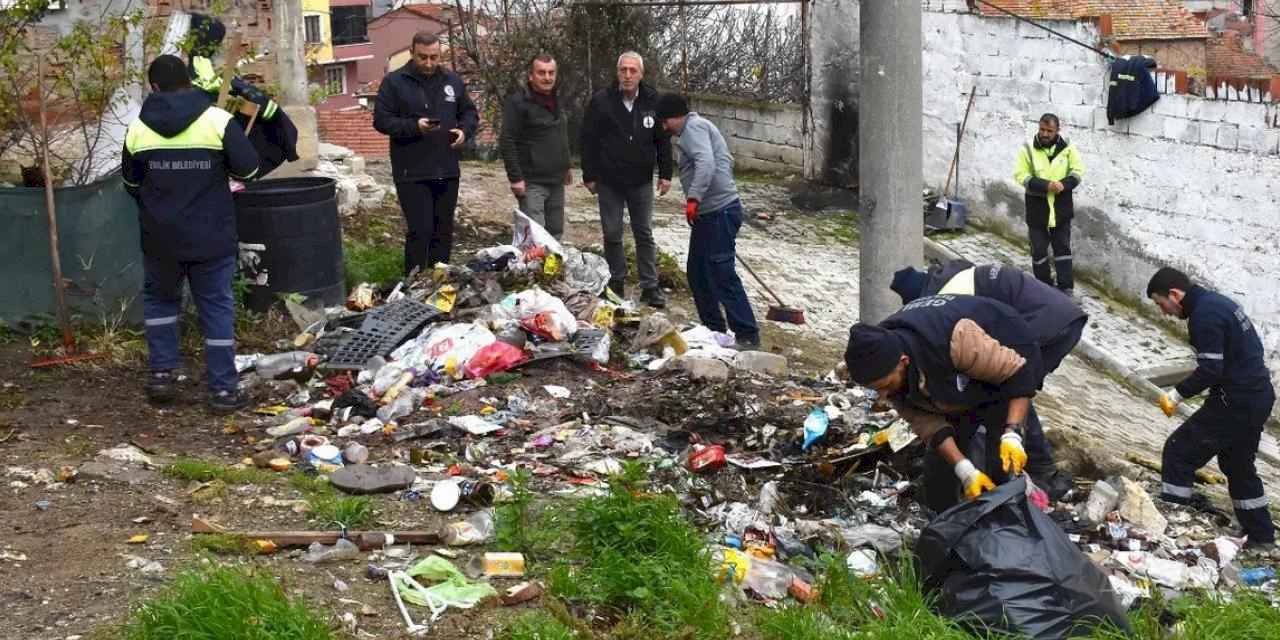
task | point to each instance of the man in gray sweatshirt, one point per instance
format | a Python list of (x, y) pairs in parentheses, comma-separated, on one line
[(713, 210)]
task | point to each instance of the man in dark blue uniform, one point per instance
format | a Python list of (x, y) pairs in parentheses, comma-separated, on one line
[(426, 111), (1055, 319), (177, 157), (949, 364), (1230, 364)]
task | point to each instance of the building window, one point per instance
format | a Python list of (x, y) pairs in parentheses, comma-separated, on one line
[(350, 25), (311, 25), (1246, 8), (335, 80)]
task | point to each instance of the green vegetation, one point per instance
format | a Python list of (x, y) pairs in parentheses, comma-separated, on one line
[(373, 262), (224, 544), (842, 226), (536, 625), (194, 469), (330, 509), (223, 603), (347, 512), (523, 525), (635, 557)]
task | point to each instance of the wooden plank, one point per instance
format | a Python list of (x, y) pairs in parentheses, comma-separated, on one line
[(366, 540)]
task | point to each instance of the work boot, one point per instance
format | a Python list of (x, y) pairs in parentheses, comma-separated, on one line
[(618, 287), (161, 387), (225, 402), (654, 298), (747, 344)]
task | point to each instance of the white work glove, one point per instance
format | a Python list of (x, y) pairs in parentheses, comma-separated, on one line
[(973, 481)]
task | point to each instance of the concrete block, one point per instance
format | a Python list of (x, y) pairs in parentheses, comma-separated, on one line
[(1148, 124), (1272, 145), (1076, 115), (1092, 94), (1066, 94), (1253, 139), (1245, 114), (1182, 130), (1207, 110), (1171, 105), (1209, 133), (994, 67), (700, 368), (1228, 137)]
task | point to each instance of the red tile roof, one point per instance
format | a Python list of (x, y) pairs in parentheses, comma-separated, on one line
[(1130, 19), (1226, 57)]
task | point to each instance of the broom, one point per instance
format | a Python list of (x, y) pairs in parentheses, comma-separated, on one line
[(779, 312)]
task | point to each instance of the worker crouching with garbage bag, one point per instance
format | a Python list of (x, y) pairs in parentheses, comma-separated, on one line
[(950, 364)]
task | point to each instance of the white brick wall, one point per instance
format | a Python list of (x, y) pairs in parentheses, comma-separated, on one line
[(1193, 183), (766, 137)]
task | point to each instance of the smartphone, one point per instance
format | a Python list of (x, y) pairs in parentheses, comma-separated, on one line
[(432, 123)]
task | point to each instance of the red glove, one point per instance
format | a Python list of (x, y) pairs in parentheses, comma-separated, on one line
[(690, 211)]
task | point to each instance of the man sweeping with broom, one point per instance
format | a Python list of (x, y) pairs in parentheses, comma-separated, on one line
[(714, 211)]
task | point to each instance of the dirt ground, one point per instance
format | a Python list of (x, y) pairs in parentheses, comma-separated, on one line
[(63, 548)]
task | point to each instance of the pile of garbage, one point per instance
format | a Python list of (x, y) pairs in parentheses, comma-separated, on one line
[(778, 469)]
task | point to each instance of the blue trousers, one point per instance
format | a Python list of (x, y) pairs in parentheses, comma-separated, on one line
[(210, 284), (713, 276)]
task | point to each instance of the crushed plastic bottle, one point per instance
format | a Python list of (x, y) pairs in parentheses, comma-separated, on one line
[(474, 530), (768, 578), (290, 364), (815, 427), (387, 377), (342, 550), (405, 403), (291, 428)]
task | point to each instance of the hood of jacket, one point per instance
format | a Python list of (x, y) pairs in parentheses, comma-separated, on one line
[(169, 113)]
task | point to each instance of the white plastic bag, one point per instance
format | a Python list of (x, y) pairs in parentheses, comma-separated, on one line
[(445, 348), (537, 311), (529, 236), (585, 271)]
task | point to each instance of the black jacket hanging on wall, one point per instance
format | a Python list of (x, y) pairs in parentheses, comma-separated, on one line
[(1131, 89)]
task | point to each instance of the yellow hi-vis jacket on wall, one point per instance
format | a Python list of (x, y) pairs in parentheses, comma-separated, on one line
[(1036, 168)]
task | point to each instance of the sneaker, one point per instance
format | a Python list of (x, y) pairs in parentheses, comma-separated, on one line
[(224, 402), (747, 344), (161, 387), (653, 297)]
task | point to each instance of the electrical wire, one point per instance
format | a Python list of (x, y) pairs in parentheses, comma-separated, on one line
[(1033, 23)]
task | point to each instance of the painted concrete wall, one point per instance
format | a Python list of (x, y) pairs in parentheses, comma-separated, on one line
[(763, 136), (1190, 183)]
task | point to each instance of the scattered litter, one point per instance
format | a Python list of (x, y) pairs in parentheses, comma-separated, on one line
[(341, 550), (557, 391), (863, 563)]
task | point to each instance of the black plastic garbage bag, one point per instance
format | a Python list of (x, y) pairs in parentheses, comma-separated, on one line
[(1002, 565)]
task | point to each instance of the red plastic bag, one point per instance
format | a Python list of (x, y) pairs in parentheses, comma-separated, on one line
[(495, 357)]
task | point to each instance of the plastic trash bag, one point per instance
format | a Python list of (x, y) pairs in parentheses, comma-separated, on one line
[(538, 312), (1003, 565), (533, 241), (494, 358), (444, 348), (585, 271), (455, 590)]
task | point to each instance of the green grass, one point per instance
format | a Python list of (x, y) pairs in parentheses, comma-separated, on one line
[(373, 263), (842, 226), (194, 469), (224, 544), (347, 512), (523, 525), (670, 272), (637, 559), (535, 625), (222, 603), (329, 508)]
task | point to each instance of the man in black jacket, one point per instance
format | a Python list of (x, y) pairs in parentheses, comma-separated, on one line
[(1055, 319), (177, 157), (426, 111), (621, 142), (949, 364), (535, 146), (1230, 363)]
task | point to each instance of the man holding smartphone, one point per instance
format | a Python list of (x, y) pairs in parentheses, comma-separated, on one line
[(426, 111)]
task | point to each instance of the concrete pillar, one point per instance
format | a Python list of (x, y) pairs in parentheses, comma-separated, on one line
[(890, 177), (291, 73)]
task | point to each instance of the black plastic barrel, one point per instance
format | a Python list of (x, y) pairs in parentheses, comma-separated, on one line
[(296, 219)]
